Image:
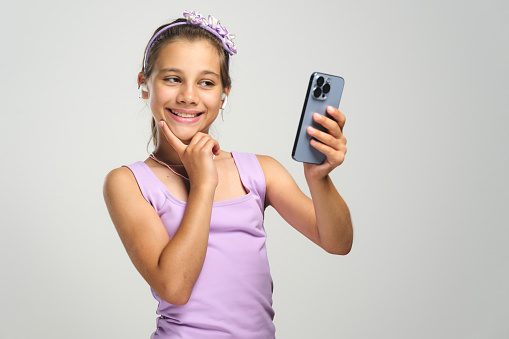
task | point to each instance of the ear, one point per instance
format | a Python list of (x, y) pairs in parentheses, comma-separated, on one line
[(143, 90), (227, 90), (224, 97)]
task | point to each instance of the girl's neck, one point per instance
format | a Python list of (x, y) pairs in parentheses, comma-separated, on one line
[(166, 153)]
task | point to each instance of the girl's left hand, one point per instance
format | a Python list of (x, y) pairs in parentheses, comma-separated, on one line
[(332, 144)]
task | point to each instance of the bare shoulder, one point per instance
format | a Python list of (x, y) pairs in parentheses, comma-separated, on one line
[(119, 177), (269, 164), (128, 208), (120, 182), (271, 167), (119, 174), (276, 176), (265, 159)]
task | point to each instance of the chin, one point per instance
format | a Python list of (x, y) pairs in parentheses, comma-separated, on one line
[(186, 134)]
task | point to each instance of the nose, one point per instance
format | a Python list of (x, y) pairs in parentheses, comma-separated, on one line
[(187, 95)]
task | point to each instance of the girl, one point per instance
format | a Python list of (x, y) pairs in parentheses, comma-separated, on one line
[(191, 215)]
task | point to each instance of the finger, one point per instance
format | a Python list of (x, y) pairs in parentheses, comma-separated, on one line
[(337, 115), (324, 138), (203, 142), (334, 157), (175, 142), (213, 145), (216, 150), (198, 141), (331, 125)]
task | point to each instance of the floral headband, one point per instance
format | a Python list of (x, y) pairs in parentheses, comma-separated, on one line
[(211, 24)]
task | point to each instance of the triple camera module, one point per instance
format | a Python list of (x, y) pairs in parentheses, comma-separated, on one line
[(321, 89)]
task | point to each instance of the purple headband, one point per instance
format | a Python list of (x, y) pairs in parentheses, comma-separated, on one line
[(211, 24)]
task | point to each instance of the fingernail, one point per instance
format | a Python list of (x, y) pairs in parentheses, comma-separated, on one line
[(161, 123), (330, 109), (317, 116), (311, 130)]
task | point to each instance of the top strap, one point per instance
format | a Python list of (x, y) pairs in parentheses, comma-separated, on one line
[(146, 182), (251, 175)]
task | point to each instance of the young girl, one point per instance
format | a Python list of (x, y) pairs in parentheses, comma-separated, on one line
[(191, 215)]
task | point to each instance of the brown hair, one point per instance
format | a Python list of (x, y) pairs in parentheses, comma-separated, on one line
[(190, 33)]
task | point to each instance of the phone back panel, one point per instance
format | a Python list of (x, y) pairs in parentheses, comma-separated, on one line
[(302, 150)]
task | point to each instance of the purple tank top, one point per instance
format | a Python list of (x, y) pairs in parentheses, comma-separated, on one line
[(232, 297)]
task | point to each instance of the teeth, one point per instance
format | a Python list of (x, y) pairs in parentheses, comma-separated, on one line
[(184, 115)]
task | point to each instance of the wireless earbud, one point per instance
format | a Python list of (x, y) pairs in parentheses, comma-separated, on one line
[(142, 88), (224, 97)]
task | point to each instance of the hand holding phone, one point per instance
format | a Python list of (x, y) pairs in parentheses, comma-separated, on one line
[(323, 90)]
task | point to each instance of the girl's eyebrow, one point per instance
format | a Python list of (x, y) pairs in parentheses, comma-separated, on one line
[(207, 72), (176, 70)]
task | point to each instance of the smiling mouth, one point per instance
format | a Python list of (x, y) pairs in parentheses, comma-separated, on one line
[(184, 115)]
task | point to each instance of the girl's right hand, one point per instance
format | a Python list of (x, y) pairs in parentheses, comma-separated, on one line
[(197, 157)]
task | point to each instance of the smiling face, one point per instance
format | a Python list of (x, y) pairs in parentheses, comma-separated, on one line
[(185, 87)]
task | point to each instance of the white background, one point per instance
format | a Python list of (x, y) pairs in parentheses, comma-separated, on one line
[(425, 175)]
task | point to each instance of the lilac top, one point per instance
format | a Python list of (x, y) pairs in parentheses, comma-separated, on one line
[(232, 297)]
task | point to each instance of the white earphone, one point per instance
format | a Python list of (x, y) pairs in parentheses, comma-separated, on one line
[(142, 88), (224, 97)]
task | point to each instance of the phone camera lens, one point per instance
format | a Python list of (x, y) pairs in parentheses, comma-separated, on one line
[(319, 81), (317, 92), (326, 88)]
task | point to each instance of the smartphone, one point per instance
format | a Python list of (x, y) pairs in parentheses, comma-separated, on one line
[(323, 90)]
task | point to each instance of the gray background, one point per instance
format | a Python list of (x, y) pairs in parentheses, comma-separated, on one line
[(425, 175)]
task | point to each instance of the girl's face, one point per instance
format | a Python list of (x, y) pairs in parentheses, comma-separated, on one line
[(185, 87)]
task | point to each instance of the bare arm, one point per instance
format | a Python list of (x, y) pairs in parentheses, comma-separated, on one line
[(326, 218)]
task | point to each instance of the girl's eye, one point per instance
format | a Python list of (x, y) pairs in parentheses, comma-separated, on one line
[(206, 83), (172, 79)]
